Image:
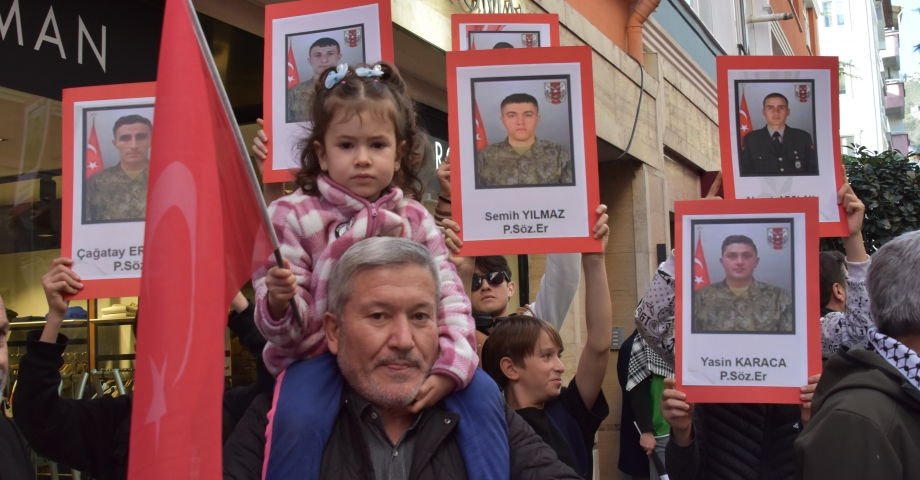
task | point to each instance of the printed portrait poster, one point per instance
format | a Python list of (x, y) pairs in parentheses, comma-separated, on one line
[(474, 31), (303, 39), (779, 129), (747, 310), (107, 132), (526, 150)]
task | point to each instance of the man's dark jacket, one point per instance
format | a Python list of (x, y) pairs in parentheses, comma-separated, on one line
[(633, 460), (735, 441), (92, 435), (865, 424), (15, 459), (796, 156), (347, 455)]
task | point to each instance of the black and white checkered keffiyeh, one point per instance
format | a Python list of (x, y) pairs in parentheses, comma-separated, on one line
[(896, 353), (643, 361)]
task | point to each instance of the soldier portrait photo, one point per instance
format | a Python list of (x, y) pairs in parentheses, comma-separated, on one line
[(778, 140), (523, 133), (742, 281), (311, 53), (116, 165)]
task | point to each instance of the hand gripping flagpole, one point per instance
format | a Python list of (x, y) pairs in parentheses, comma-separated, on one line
[(244, 156), (659, 465)]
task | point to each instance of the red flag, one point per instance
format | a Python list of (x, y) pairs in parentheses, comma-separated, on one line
[(481, 140), (700, 271), (744, 118), (293, 78), (93, 157), (204, 237)]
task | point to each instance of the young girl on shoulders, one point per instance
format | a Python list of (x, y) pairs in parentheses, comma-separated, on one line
[(359, 173), (359, 168)]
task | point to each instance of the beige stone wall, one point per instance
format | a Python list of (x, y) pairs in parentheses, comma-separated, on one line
[(689, 131)]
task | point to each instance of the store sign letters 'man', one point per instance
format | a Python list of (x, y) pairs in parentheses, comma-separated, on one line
[(49, 35)]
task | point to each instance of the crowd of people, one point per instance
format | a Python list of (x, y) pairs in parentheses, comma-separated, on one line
[(409, 362)]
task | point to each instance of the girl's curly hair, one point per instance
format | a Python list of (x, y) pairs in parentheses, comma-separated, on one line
[(385, 96)]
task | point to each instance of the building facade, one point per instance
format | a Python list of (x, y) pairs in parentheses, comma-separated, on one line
[(864, 36)]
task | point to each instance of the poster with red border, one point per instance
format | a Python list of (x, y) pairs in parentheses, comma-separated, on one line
[(524, 145), (476, 31), (775, 151), (762, 344), (303, 39), (104, 232)]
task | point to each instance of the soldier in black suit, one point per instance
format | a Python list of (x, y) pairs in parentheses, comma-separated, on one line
[(777, 149)]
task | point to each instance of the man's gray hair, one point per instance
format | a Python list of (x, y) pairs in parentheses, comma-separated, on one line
[(375, 253), (893, 283)]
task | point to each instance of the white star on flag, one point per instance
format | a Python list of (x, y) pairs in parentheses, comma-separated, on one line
[(744, 128), (92, 165), (158, 403), (697, 280), (290, 79)]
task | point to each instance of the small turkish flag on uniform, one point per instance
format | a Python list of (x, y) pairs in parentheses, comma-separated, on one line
[(744, 118), (204, 235), (93, 157), (293, 78), (700, 272), (481, 140)]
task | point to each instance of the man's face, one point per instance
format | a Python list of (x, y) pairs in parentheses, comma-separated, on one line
[(4, 349), (542, 372), (491, 300), (520, 121), (739, 261), (775, 110), (388, 340), (133, 144), (322, 58)]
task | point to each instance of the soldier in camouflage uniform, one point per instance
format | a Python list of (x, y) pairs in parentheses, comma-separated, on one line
[(522, 158), (119, 193), (739, 303), (324, 53)]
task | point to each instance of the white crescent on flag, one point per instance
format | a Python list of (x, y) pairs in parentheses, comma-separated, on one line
[(90, 146), (176, 188)]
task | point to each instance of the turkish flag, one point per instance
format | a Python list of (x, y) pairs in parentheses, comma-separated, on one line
[(744, 119), (204, 236), (293, 78), (481, 140), (700, 271), (93, 157)]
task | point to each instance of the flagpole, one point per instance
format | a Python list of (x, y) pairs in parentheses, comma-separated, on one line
[(244, 155)]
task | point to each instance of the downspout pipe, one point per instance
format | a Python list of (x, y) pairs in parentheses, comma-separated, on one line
[(637, 19)]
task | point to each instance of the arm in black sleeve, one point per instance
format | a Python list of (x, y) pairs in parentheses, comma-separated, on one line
[(82, 434), (639, 399), (244, 451), (684, 463), (243, 325), (238, 399), (531, 458)]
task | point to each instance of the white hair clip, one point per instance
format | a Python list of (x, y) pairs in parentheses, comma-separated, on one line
[(377, 71), (338, 75)]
